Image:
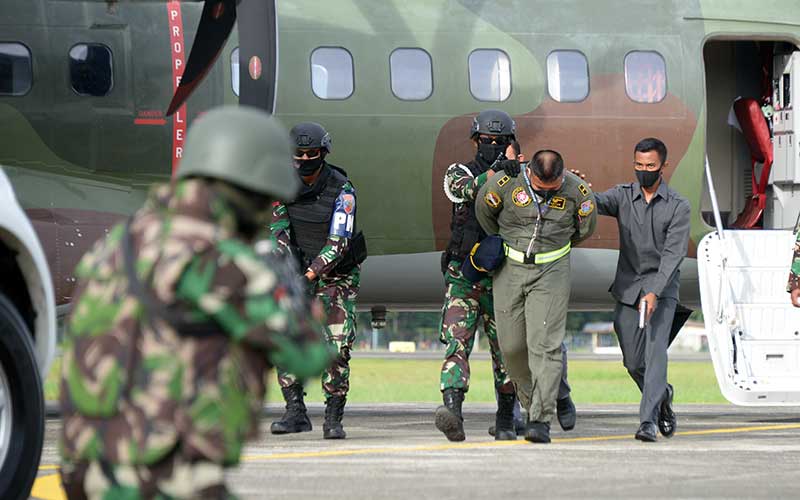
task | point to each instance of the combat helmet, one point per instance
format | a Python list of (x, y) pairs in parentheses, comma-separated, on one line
[(310, 135), (493, 122), (243, 146)]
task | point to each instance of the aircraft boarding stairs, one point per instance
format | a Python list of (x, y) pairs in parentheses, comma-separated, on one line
[(753, 330)]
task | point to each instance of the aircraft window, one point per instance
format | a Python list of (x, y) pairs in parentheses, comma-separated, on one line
[(412, 74), (567, 76), (489, 75), (332, 73), (90, 69), (16, 74), (645, 76), (235, 71)]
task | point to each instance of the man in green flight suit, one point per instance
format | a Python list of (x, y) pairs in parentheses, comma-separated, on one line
[(177, 320), (539, 214)]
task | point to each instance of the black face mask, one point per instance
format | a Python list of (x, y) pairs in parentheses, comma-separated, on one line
[(646, 178), (308, 167), (490, 152)]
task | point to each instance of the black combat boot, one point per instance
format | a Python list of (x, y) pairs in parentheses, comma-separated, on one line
[(565, 410), (448, 418), (334, 410), (538, 432), (504, 418), (295, 419)]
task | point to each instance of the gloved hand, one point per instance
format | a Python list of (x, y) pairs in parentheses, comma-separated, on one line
[(510, 167)]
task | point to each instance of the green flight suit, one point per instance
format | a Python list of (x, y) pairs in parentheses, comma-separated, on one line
[(531, 297)]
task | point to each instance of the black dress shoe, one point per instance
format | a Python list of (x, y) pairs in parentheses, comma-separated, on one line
[(667, 423), (565, 410), (646, 432), (538, 432)]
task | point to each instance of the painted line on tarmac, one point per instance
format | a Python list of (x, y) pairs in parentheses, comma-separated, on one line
[(493, 444), (485, 444)]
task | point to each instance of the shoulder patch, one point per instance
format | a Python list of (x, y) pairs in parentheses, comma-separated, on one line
[(521, 197), (583, 189), (558, 203), (502, 182), (493, 199), (586, 208)]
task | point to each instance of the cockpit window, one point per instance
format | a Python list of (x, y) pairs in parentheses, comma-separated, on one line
[(235, 71), (412, 74), (489, 75), (567, 76), (332, 73), (16, 73), (91, 69), (645, 76)]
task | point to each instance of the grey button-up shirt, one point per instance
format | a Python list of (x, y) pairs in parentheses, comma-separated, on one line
[(653, 240)]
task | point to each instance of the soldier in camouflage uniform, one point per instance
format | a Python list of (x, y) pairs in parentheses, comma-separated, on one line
[(319, 229), (793, 286), (467, 303), (176, 321)]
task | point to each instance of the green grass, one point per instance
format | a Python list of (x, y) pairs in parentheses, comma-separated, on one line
[(397, 380)]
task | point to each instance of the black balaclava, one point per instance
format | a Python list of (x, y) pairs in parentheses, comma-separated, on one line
[(488, 153)]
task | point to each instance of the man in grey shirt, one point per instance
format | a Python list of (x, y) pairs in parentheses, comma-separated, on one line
[(653, 222)]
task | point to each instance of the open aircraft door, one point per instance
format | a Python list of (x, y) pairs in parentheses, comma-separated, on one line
[(753, 330)]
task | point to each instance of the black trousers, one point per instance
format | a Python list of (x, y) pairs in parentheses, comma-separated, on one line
[(644, 352)]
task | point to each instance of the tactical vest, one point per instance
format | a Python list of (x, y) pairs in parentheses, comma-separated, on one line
[(310, 214), (465, 230)]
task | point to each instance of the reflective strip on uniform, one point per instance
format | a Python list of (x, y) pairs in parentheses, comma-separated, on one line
[(544, 258), (539, 258)]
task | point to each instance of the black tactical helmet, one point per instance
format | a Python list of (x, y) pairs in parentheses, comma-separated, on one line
[(493, 122), (310, 135)]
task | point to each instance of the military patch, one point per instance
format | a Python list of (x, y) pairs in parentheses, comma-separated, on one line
[(521, 197), (502, 182), (492, 199), (583, 189), (558, 203), (348, 203), (587, 207)]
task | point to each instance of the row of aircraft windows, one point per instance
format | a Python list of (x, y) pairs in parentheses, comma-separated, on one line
[(411, 74), (91, 69), (332, 75)]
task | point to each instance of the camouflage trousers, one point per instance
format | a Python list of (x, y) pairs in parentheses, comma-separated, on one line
[(172, 477), (465, 305), (338, 296)]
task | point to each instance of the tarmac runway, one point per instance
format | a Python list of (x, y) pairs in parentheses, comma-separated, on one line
[(394, 451)]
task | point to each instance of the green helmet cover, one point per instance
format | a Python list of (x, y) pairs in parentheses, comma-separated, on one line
[(243, 146)]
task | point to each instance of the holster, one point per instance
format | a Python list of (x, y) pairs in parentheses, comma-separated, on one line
[(356, 254)]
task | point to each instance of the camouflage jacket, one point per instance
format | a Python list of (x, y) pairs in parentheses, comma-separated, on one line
[(133, 388), (334, 249), (794, 272), (460, 185)]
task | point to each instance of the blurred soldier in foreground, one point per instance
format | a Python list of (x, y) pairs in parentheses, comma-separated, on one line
[(177, 320), (319, 229), (539, 215)]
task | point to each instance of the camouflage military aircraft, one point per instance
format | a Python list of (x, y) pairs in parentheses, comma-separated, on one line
[(85, 85)]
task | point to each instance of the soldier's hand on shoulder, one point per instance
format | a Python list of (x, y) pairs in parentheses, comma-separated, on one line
[(510, 167)]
